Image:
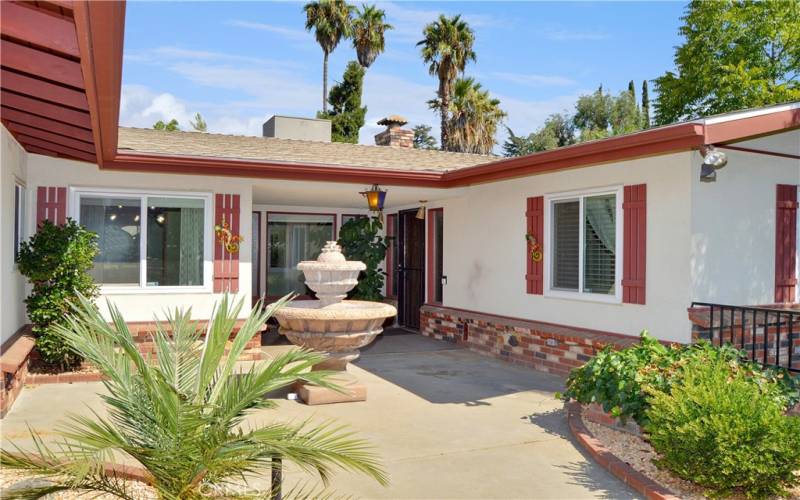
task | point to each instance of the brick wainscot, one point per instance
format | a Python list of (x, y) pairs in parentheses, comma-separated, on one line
[(543, 346)]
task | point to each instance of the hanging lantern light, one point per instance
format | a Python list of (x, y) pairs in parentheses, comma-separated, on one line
[(421, 210), (375, 197)]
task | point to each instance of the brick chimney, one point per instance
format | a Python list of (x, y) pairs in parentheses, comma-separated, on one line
[(394, 135)]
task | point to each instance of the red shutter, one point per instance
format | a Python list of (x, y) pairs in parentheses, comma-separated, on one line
[(226, 264), (634, 246), (534, 276), (785, 243), (51, 204)]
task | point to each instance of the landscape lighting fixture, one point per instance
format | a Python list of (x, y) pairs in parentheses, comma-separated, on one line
[(713, 160)]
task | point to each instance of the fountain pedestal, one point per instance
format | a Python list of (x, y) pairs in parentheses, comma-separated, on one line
[(336, 327)]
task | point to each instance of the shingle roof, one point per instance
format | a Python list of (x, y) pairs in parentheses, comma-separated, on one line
[(270, 149)]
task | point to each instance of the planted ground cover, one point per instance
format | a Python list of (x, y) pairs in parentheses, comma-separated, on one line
[(713, 417)]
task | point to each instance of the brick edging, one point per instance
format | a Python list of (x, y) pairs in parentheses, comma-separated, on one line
[(613, 464), (62, 378)]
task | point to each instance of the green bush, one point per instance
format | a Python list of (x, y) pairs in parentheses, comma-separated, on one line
[(56, 261), (360, 239), (721, 430), (622, 381)]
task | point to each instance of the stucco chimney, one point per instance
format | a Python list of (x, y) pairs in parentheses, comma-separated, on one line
[(394, 135), (303, 129)]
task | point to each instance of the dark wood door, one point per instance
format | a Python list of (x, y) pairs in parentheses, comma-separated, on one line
[(410, 268)]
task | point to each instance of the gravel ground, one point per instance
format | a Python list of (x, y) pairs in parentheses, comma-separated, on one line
[(10, 479), (638, 453)]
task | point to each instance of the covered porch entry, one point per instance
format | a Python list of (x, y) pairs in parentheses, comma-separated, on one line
[(292, 220)]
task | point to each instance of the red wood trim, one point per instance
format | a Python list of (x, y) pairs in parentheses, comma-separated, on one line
[(391, 220), (13, 115), (54, 154), (100, 28), (226, 265), (634, 246), (271, 170), (785, 243), (534, 273), (50, 137), (333, 237), (431, 257), (41, 64), (753, 126), (51, 203), (761, 152), (29, 24), (41, 89), (55, 148), (46, 109)]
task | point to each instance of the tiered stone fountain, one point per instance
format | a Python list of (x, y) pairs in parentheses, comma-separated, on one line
[(332, 325)]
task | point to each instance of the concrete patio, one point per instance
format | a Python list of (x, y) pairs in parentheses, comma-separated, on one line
[(448, 423)]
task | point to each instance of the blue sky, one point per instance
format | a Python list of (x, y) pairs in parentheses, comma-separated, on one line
[(238, 63)]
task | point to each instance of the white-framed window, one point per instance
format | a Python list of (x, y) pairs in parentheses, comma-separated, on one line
[(154, 241), (583, 247), (20, 205)]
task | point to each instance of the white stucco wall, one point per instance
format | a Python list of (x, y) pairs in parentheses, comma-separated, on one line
[(145, 305), (733, 222), (485, 252), (12, 283)]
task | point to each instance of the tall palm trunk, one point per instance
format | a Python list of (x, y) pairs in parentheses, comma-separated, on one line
[(444, 96), (325, 82)]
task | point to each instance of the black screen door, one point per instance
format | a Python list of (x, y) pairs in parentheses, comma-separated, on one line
[(410, 268)]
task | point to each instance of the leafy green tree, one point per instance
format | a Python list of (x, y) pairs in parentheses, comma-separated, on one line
[(331, 21), (737, 54), (170, 126), (347, 114), (474, 117), (361, 239), (423, 138), (593, 115), (632, 89), (557, 131), (56, 261), (625, 115), (446, 48), (180, 415), (369, 29), (645, 106), (199, 124)]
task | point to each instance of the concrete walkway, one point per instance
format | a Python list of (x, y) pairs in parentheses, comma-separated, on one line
[(448, 423)]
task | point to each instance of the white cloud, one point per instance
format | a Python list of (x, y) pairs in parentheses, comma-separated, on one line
[(533, 80), (408, 22), (292, 34), (141, 107), (565, 35)]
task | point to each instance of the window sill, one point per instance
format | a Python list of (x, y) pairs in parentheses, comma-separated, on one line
[(166, 290), (584, 297)]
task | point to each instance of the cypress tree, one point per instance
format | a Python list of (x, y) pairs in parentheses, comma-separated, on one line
[(632, 90), (645, 106)]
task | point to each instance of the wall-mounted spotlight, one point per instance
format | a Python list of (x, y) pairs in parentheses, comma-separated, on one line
[(713, 160)]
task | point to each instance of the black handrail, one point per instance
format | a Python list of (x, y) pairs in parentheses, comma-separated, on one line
[(772, 341)]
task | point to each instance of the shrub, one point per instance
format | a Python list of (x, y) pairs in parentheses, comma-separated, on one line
[(622, 381), (360, 239), (721, 430), (186, 416), (56, 261)]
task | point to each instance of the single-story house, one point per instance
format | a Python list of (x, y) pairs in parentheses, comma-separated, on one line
[(531, 258)]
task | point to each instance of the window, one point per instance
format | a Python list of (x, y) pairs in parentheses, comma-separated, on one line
[(436, 255), (292, 238), (348, 217), (148, 241), (585, 236), (19, 217)]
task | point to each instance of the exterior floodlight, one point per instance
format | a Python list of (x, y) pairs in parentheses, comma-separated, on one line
[(713, 160)]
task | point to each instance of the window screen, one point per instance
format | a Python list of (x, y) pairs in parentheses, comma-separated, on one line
[(599, 256), (566, 252)]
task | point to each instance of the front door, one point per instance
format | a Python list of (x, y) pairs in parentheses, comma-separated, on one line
[(410, 268)]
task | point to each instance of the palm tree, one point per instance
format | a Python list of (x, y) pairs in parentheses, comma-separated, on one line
[(330, 20), (473, 117), (369, 28), (180, 415), (446, 48)]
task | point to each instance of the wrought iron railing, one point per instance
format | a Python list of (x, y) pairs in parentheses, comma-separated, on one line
[(769, 335)]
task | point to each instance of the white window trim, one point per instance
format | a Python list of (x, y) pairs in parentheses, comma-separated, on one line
[(20, 219), (579, 195), (208, 262)]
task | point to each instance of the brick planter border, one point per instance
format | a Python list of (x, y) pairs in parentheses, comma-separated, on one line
[(613, 464)]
